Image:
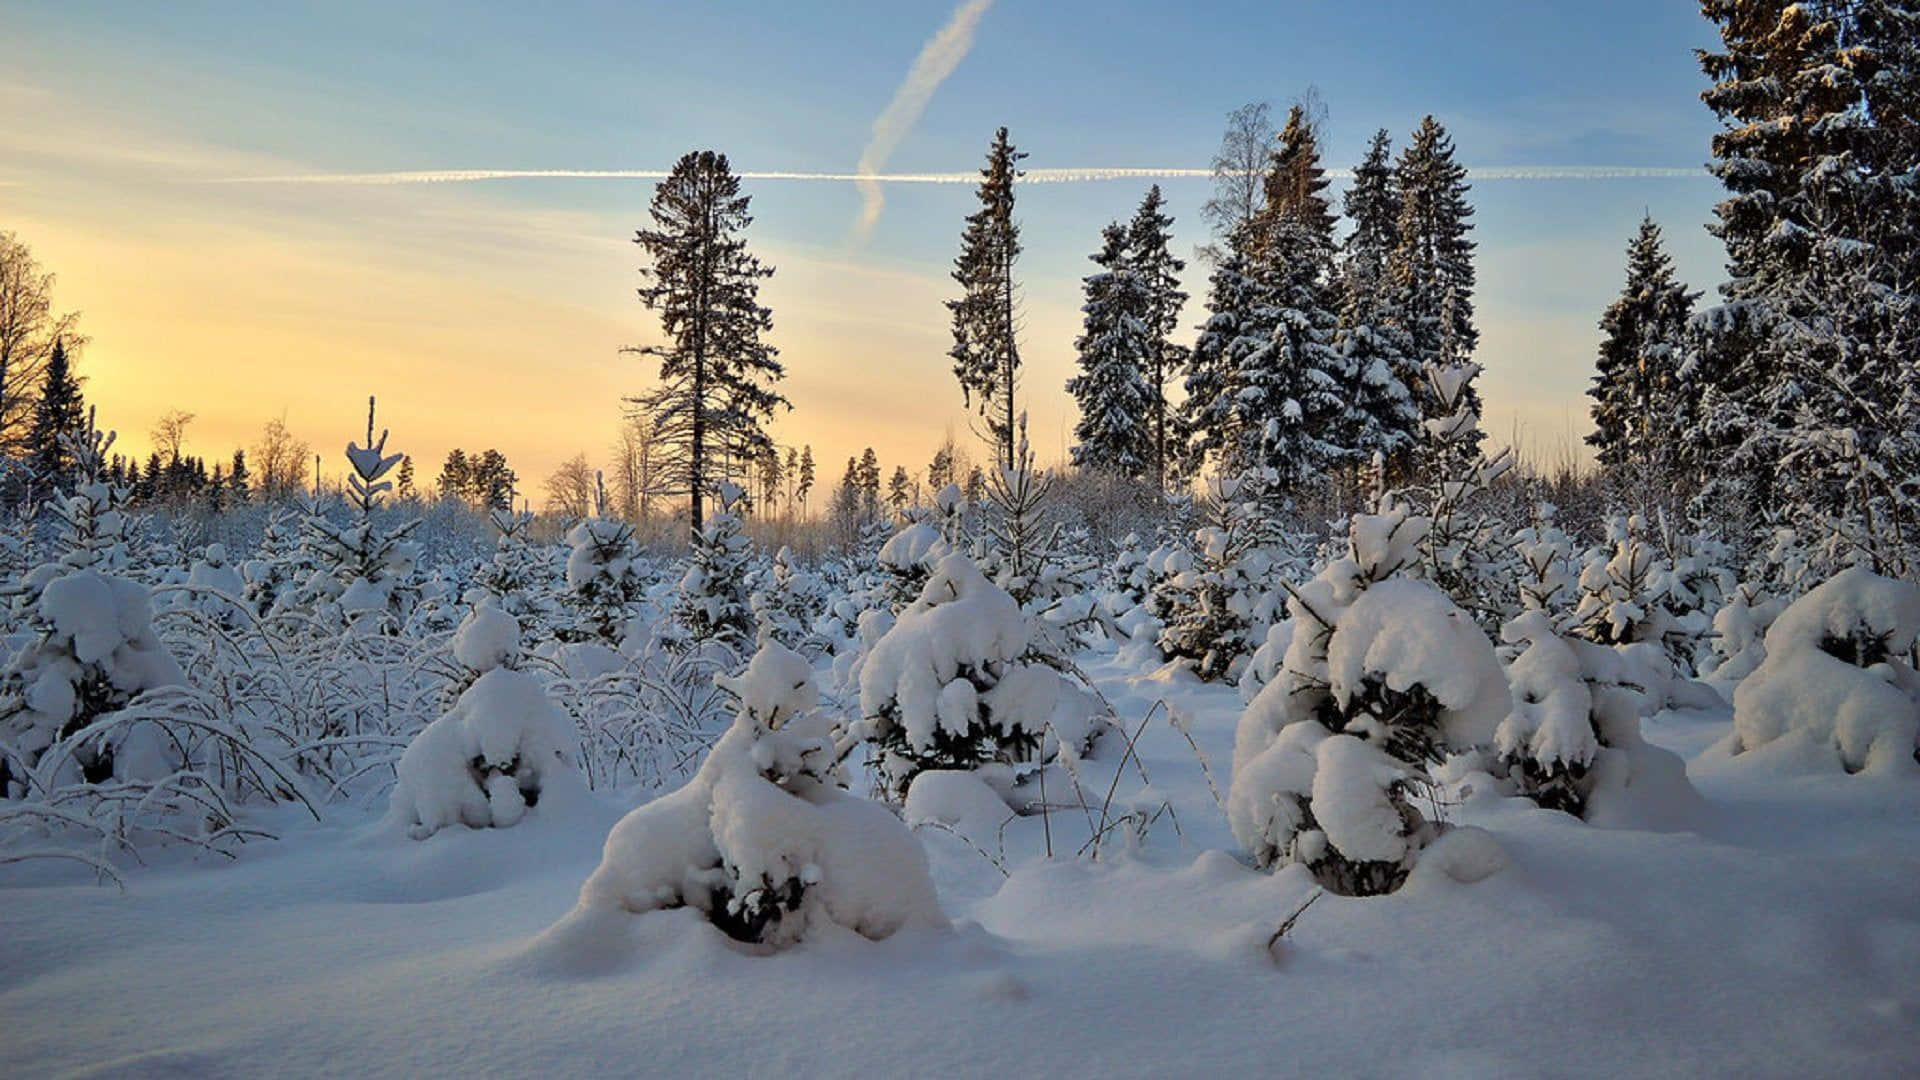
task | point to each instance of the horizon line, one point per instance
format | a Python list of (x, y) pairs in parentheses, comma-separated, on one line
[(1092, 174)]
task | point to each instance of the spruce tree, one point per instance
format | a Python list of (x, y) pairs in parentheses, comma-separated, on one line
[(716, 374), (1431, 269), (59, 417), (1636, 389), (985, 353), (237, 489), (1372, 346), (1278, 401), (1111, 390), (1150, 253), (1804, 357)]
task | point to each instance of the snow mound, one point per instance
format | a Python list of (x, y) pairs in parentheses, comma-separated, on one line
[(488, 638), (1836, 676)]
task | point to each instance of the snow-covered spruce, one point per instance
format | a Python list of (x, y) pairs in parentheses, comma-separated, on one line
[(92, 652), (365, 567), (949, 686), (1572, 741), (1837, 686), (763, 841), (503, 749), (714, 602), (606, 580), (1383, 676), (787, 600)]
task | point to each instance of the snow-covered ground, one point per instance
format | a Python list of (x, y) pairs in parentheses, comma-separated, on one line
[(1777, 935)]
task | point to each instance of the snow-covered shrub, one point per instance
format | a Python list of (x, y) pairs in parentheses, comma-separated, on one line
[(1216, 603), (713, 603), (500, 751), (93, 651), (1572, 741), (763, 841), (1739, 633), (952, 685), (1837, 682), (1383, 676), (274, 573)]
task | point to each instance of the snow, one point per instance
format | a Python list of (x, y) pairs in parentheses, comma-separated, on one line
[(1409, 632), (1780, 938), (487, 638)]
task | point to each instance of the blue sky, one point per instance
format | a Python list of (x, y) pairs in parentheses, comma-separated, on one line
[(129, 109)]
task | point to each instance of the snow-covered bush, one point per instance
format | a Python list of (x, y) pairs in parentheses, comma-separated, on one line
[(1837, 683), (502, 750), (1216, 603), (952, 684), (763, 841), (1383, 676), (1572, 741), (519, 581), (94, 650)]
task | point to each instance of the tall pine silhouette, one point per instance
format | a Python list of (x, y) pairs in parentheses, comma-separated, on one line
[(716, 373), (986, 353)]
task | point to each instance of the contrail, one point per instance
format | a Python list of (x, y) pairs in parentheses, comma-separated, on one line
[(1093, 174), (941, 54)]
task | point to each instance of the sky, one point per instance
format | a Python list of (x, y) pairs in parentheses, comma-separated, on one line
[(254, 207)]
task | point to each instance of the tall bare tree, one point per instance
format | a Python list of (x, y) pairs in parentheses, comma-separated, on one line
[(279, 462)]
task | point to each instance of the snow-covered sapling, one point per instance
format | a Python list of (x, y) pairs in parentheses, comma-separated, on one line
[(763, 841), (714, 602), (1383, 676), (502, 749), (951, 685)]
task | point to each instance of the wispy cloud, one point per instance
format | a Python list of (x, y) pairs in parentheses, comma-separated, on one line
[(937, 60), (1092, 174)]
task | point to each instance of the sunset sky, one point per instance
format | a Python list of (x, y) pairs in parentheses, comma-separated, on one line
[(491, 312)]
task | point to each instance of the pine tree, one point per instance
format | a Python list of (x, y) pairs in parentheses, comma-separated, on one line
[(456, 476), (716, 374), (1231, 290), (714, 601), (237, 489), (1111, 391), (805, 486), (1432, 267), (403, 488), (1636, 389), (899, 491), (985, 353), (867, 481), (1150, 253), (490, 482), (59, 416)]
